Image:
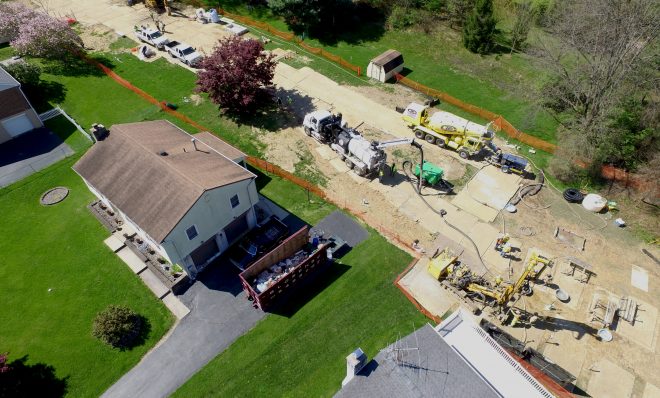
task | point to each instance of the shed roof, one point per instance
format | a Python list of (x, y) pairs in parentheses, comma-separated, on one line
[(389, 60), (152, 172)]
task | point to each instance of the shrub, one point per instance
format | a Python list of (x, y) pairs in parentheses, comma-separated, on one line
[(27, 74), (119, 327)]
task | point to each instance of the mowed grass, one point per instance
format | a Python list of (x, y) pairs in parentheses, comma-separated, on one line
[(68, 133), (301, 350), (61, 248)]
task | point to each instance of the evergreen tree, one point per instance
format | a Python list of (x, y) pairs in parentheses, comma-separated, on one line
[(479, 28)]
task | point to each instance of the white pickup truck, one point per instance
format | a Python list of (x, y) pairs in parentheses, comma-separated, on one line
[(184, 53), (151, 36)]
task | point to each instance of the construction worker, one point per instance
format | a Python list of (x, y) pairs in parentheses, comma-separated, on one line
[(503, 245)]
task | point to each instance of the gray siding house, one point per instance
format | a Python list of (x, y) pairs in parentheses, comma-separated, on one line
[(16, 113), (190, 197)]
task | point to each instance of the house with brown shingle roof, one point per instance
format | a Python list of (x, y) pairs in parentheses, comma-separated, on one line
[(16, 113), (189, 197)]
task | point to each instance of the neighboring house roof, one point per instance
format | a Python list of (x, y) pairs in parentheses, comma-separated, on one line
[(7, 81), (455, 359), (421, 364), (220, 146), (155, 190), (389, 60), (12, 101)]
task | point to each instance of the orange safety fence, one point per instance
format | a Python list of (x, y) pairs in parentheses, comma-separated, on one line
[(501, 123)]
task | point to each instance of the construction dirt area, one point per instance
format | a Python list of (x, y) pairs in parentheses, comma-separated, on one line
[(565, 332)]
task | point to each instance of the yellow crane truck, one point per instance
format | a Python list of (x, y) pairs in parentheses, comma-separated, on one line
[(448, 130)]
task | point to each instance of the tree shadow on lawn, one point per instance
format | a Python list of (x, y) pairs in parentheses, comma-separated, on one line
[(45, 95), (74, 66), (287, 110), (37, 380)]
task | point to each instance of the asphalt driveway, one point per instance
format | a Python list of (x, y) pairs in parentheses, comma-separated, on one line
[(220, 313), (29, 153)]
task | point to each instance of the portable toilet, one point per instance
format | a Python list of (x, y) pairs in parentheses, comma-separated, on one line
[(385, 66)]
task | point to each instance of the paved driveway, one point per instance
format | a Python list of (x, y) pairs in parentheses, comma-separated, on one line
[(220, 313), (29, 153)]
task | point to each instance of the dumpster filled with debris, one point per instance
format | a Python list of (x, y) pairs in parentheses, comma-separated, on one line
[(279, 272)]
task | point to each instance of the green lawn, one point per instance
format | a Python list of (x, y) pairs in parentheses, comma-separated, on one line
[(68, 133), (6, 51), (57, 274), (302, 351)]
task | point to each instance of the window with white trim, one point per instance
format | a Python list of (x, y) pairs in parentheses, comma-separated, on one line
[(191, 232), (234, 201)]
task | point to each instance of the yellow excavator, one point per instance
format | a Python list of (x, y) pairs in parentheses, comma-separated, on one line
[(445, 267)]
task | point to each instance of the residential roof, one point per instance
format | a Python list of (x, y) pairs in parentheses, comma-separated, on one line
[(455, 359), (152, 172), (389, 60), (12, 101), (6, 80), (221, 146), (421, 364)]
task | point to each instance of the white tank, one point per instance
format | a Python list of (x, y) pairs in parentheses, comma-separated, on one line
[(362, 149), (452, 123)]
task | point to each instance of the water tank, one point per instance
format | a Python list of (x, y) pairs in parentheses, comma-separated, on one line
[(362, 149)]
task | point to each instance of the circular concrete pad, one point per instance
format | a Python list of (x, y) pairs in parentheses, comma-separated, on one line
[(54, 195)]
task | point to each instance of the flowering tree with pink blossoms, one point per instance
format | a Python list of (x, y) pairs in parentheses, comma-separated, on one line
[(37, 34)]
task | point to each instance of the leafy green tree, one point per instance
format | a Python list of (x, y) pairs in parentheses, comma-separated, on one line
[(305, 15), (479, 29), (458, 11), (522, 25)]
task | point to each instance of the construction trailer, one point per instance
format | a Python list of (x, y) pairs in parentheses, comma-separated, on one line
[(310, 260), (385, 66)]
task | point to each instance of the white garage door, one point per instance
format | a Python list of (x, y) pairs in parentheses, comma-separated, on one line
[(17, 125)]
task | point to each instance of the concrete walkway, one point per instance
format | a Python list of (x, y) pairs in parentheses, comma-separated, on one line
[(220, 313)]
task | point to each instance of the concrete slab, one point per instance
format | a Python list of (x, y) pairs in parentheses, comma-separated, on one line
[(339, 165), (487, 193), (651, 391), (570, 285), (643, 330), (326, 152), (175, 306), (114, 243), (566, 351), (639, 278), (153, 283), (465, 202), (428, 291), (397, 197), (609, 380), (485, 235), (132, 260)]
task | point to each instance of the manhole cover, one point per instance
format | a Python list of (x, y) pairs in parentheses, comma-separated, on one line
[(54, 195)]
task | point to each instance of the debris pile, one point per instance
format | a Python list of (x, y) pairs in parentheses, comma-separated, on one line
[(275, 272)]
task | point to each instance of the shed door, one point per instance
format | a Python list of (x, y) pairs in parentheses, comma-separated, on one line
[(236, 228), (202, 254), (17, 125)]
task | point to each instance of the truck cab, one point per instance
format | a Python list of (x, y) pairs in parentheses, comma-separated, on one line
[(151, 36), (321, 125), (184, 53)]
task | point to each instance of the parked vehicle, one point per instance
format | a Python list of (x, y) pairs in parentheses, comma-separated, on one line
[(284, 269), (509, 163), (448, 130), (323, 126), (258, 242), (183, 52), (151, 36)]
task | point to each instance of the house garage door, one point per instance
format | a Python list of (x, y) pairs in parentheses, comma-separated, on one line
[(17, 125), (236, 228), (205, 252)]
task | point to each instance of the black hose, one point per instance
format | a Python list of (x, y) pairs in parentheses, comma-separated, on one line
[(573, 195)]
